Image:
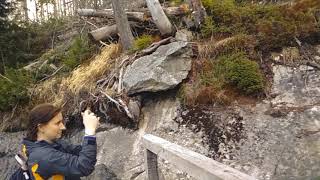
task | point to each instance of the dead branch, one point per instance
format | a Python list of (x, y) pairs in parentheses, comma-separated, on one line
[(6, 78), (120, 80), (154, 46), (54, 73), (125, 107)]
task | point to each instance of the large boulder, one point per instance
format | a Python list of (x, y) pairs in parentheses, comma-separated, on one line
[(162, 70)]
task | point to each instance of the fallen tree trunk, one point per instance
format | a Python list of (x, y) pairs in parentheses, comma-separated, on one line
[(159, 17), (104, 32), (108, 13), (176, 11), (142, 15)]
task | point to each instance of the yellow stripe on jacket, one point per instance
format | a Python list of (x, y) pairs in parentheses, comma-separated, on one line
[(38, 177)]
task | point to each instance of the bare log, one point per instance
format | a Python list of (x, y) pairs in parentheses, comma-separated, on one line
[(141, 15), (159, 17), (104, 32), (176, 11), (108, 13)]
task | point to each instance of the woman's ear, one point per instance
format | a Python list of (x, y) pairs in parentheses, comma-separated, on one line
[(40, 128)]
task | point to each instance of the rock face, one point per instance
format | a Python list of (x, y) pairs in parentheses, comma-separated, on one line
[(10, 144), (121, 153), (162, 70), (284, 144)]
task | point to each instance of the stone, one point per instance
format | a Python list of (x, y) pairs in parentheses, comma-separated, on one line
[(101, 172), (184, 35), (317, 47), (162, 70)]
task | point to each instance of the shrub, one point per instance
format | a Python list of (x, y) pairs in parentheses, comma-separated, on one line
[(239, 71), (79, 50), (13, 88)]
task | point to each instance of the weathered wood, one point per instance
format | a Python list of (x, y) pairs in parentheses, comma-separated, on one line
[(159, 17), (151, 165), (141, 15), (108, 13), (194, 164), (126, 37), (104, 32), (154, 46), (198, 14), (176, 11)]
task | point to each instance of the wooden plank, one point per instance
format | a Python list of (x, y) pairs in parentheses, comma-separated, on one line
[(193, 163), (151, 164)]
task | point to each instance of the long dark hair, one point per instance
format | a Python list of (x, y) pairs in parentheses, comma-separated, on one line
[(41, 114)]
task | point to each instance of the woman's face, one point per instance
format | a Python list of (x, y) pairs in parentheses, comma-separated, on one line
[(53, 129)]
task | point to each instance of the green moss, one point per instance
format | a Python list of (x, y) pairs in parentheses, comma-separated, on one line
[(13, 89), (241, 72), (176, 2), (141, 43), (273, 25)]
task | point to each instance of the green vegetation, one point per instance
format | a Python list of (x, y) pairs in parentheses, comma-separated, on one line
[(273, 25), (141, 43), (23, 42), (175, 2), (233, 74), (241, 72), (13, 89), (79, 50)]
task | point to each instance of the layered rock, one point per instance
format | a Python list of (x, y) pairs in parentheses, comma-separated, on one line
[(162, 70)]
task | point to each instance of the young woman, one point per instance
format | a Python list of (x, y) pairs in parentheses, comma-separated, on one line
[(51, 158)]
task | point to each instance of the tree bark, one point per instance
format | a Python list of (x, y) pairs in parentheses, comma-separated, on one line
[(159, 17), (198, 12), (25, 10), (126, 37)]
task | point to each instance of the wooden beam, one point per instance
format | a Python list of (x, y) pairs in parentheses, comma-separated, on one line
[(195, 164), (151, 165)]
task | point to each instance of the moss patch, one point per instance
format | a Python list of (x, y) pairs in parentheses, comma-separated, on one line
[(141, 42), (273, 25)]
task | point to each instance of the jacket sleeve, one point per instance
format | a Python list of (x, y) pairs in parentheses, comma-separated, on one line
[(67, 164), (70, 148)]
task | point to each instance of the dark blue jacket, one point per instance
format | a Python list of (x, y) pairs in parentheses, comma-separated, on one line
[(47, 160)]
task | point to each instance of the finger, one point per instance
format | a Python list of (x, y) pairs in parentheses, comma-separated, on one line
[(87, 112)]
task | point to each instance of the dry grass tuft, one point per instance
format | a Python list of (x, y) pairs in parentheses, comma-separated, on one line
[(59, 90), (85, 76)]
